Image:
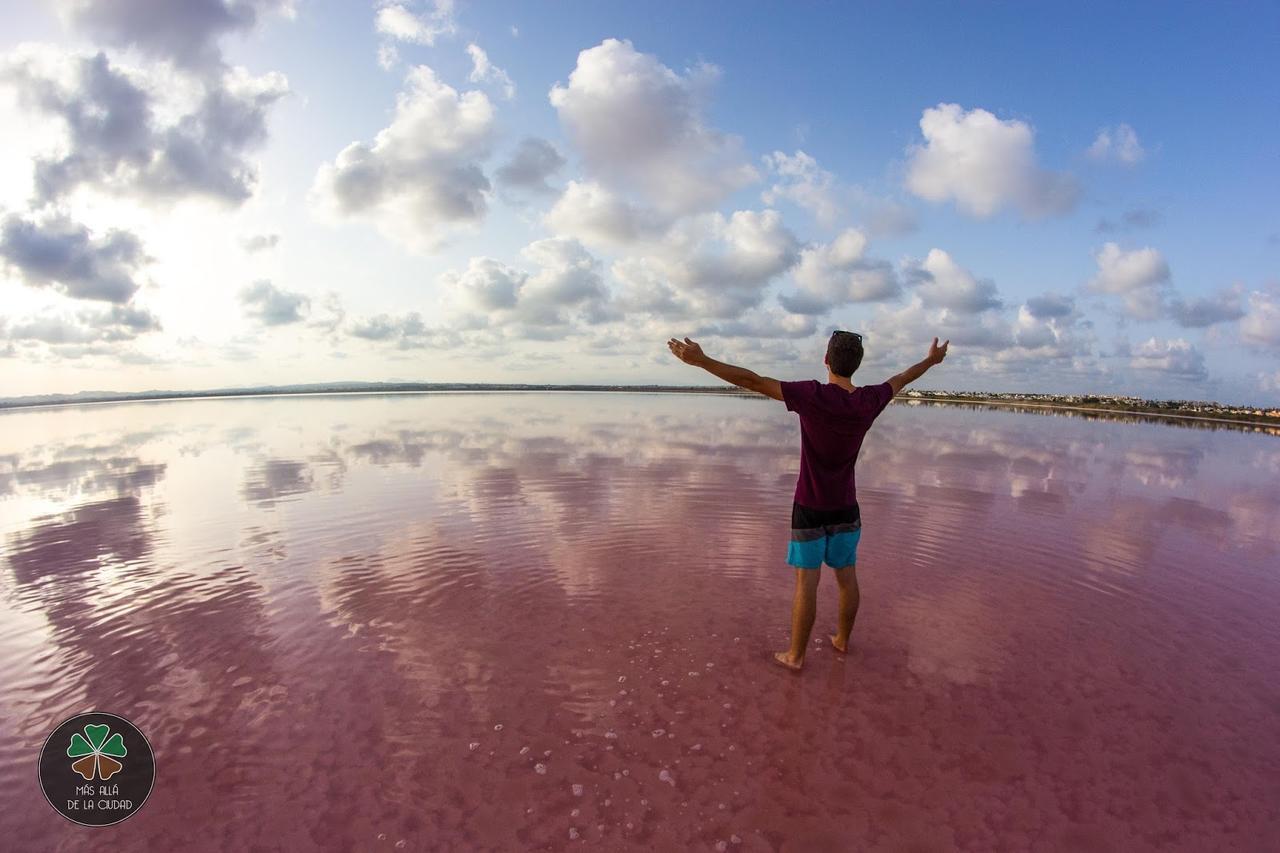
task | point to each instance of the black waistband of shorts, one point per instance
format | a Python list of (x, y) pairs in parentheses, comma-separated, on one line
[(806, 516)]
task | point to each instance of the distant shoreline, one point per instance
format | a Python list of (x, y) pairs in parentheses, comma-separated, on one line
[(1138, 413), (327, 389)]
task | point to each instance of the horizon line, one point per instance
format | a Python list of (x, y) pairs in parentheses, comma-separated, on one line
[(99, 396)]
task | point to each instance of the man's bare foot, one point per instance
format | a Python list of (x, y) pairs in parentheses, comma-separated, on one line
[(788, 661), (842, 648)]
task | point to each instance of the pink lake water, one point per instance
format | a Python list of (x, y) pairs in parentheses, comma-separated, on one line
[(543, 621)]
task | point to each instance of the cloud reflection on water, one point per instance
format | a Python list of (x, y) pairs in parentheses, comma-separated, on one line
[(406, 573)]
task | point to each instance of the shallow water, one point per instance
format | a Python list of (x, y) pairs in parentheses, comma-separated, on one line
[(543, 621)]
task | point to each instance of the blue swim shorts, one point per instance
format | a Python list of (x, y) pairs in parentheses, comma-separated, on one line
[(824, 536)]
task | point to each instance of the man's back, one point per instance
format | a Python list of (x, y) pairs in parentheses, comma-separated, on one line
[(833, 423), (826, 522)]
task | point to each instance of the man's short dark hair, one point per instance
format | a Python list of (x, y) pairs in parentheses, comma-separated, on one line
[(844, 353)]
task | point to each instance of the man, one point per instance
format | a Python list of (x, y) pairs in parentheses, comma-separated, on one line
[(825, 521)]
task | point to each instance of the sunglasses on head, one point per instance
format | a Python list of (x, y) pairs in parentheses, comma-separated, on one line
[(857, 335)]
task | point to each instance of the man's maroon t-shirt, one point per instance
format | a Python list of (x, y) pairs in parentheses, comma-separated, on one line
[(833, 422)]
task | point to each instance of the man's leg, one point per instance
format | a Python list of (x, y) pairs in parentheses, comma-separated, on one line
[(847, 579), (803, 610)]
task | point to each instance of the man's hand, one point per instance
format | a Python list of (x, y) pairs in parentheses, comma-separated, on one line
[(915, 371), (691, 353), (937, 353)]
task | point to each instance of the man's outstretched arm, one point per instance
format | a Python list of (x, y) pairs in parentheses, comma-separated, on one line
[(915, 371), (691, 353)]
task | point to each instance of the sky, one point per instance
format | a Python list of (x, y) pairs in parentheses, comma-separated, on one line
[(210, 193)]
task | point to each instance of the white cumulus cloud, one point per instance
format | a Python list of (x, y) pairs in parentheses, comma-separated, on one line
[(903, 332), (272, 305), (422, 174), (1261, 323), (127, 132), (185, 33), (1139, 276), (1176, 357), (388, 56), (399, 21), (1203, 311), (486, 285), (1048, 328), (406, 331), (597, 215), (259, 242), (765, 324), (640, 127), (1049, 306), (838, 273), (984, 164), (799, 179), (1119, 143), (115, 324), (484, 71), (533, 162), (563, 294), (56, 251), (708, 265), (943, 283), (1045, 340)]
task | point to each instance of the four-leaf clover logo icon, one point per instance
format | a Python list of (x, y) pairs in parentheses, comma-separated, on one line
[(97, 752), (94, 743)]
